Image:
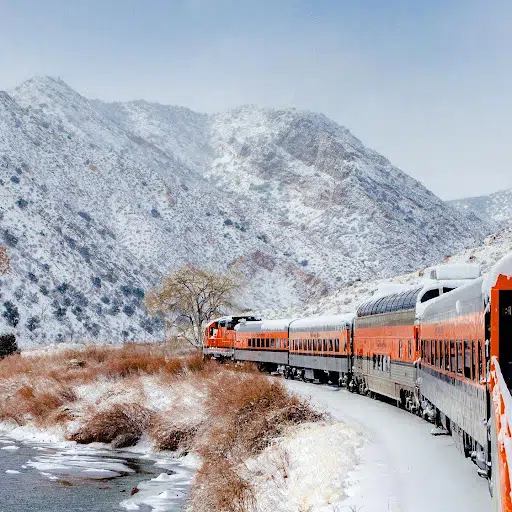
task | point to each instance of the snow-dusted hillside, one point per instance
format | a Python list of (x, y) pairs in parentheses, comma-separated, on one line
[(98, 200), (348, 298), (494, 207)]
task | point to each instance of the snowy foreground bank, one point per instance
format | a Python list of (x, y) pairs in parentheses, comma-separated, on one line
[(224, 438), (401, 466)]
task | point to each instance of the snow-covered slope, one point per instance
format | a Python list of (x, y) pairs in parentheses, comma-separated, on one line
[(98, 200), (349, 297), (494, 207)]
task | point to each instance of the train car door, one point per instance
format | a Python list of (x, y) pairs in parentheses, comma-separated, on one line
[(505, 335)]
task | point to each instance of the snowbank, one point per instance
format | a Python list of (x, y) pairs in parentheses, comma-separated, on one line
[(306, 470)]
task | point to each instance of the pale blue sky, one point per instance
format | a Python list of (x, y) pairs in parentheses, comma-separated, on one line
[(426, 83)]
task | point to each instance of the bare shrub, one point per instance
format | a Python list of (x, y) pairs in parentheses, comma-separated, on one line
[(245, 412), (219, 486), (119, 420), (169, 435), (43, 407)]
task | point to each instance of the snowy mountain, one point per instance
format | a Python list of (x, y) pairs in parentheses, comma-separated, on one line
[(494, 207), (98, 200)]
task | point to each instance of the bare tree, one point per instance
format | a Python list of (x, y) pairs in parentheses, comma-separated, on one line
[(5, 262), (190, 297)]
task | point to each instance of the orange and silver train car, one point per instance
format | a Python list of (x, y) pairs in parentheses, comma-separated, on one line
[(385, 344), (459, 334), (263, 342), (320, 348), (219, 336)]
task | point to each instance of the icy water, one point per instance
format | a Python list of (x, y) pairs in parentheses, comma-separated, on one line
[(46, 478)]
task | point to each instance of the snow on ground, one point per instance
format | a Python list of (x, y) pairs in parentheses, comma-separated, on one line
[(401, 467), (307, 469)]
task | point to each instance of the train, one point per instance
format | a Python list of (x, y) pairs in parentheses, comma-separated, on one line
[(441, 349)]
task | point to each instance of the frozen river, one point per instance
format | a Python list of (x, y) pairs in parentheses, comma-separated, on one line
[(46, 478), (403, 468)]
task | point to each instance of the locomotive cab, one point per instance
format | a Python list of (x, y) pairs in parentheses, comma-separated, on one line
[(219, 340)]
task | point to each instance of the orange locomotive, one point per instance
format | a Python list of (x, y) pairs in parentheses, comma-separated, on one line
[(219, 338)]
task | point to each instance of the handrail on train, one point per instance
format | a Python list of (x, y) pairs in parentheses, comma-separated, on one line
[(502, 448)]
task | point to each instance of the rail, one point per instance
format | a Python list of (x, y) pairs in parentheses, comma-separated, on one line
[(501, 432)]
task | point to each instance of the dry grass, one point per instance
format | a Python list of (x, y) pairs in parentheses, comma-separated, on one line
[(244, 409), (94, 362), (120, 420), (39, 388), (245, 412), (167, 434), (44, 407)]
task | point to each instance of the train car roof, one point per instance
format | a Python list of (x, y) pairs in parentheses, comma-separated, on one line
[(463, 300), (278, 325), (394, 302), (470, 298), (331, 322)]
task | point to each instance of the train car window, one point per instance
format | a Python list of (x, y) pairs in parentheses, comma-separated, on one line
[(336, 345), (459, 357), (345, 345), (467, 360), (314, 345), (409, 349), (374, 361), (446, 356), (422, 348), (480, 361), (473, 366), (399, 348), (437, 352), (331, 346), (452, 356), (272, 343), (431, 294), (432, 352), (441, 354)]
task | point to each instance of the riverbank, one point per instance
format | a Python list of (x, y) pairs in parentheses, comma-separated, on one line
[(240, 432)]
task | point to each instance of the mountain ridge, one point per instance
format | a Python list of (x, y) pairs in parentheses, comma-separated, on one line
[(105, 198), (495, 207)]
